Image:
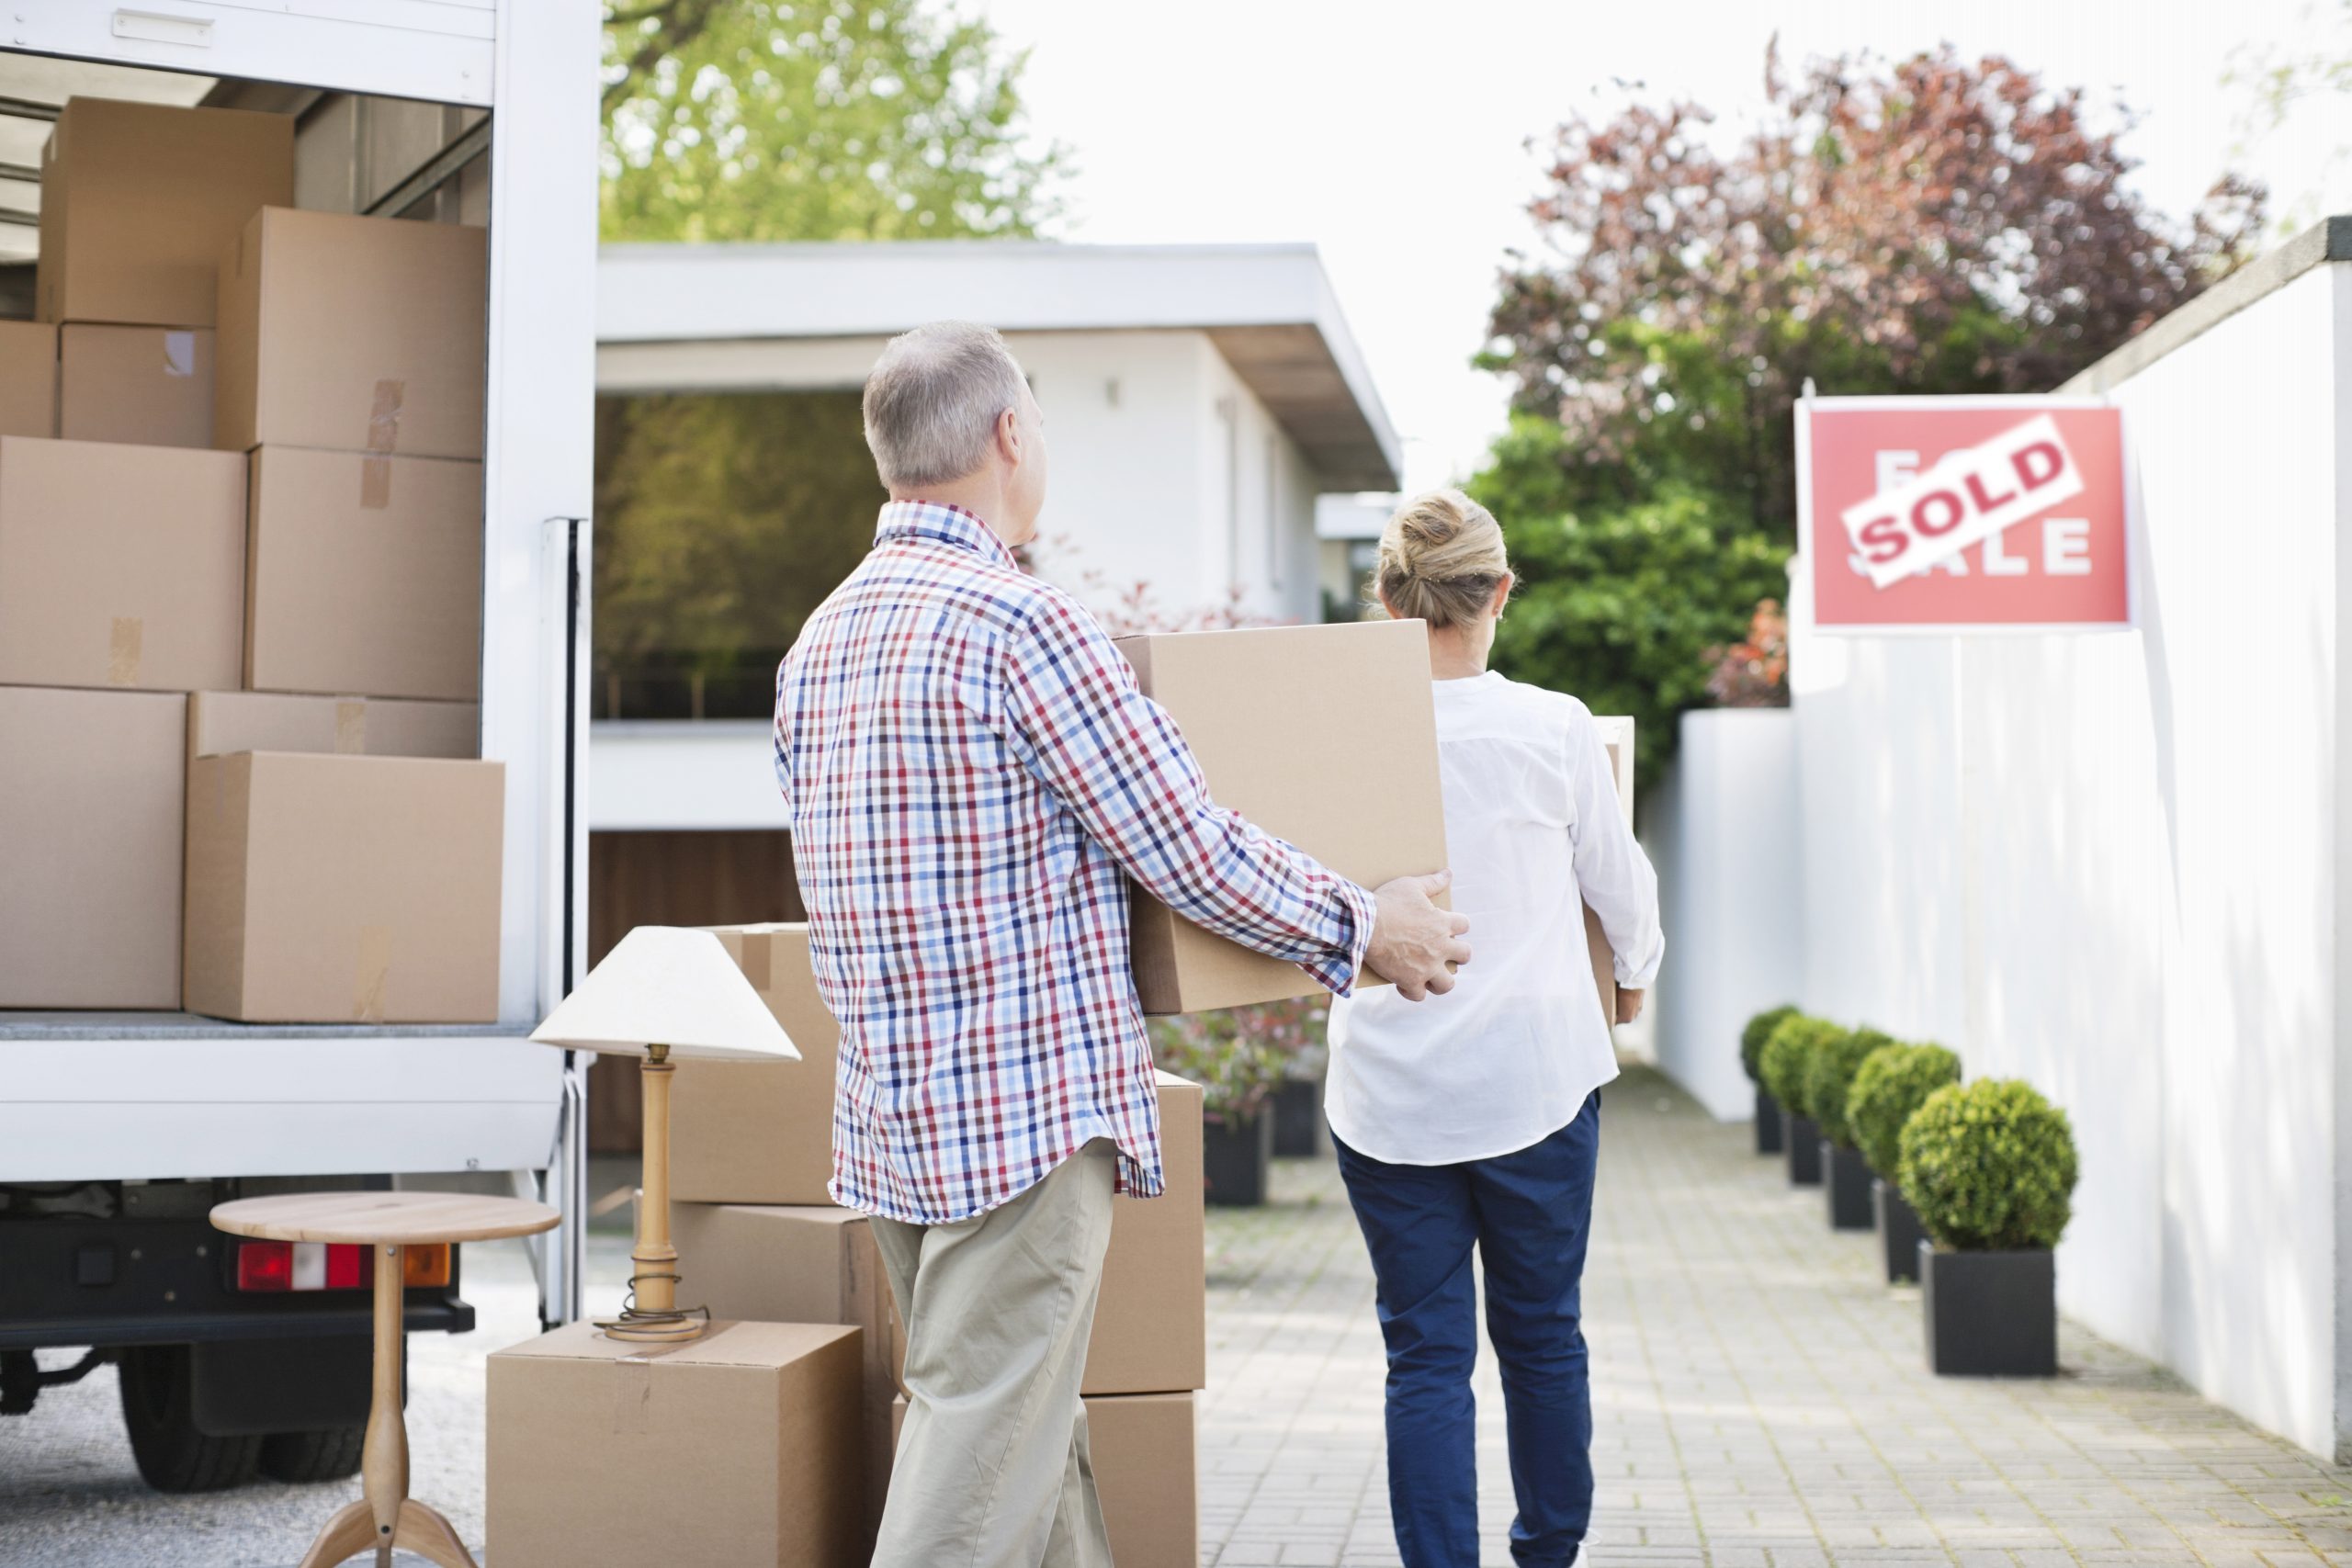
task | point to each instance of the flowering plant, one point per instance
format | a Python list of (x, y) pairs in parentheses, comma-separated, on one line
[(1240, 1056), (1754, 674)]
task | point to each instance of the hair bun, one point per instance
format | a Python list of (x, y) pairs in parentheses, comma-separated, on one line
[(1441, 556)]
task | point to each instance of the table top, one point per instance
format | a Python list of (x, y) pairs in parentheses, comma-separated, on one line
[(383, 1219)]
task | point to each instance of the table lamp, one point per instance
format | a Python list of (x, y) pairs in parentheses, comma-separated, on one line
[(664, 992)]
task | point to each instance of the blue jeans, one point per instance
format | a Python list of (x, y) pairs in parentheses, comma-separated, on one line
[(1530, 1215)]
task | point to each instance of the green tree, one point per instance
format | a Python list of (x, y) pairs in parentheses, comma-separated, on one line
[(827, 119)]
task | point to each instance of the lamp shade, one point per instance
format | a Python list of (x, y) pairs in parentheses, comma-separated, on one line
[(668, 986)]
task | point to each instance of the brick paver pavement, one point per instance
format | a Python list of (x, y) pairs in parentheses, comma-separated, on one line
[(1759, 1398)]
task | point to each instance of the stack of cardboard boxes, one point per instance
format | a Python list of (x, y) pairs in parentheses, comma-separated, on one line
[(240, 455), (761, 1244)]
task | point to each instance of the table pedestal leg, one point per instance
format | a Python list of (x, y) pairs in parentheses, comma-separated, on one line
[(385, 1517)]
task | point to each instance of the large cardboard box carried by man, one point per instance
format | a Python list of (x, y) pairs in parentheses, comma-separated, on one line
[(1147, 1475), (121, 566), (353, 334), (1363, 798), (326, 888), (138, 200), (365, 575), (90, 811), (738, 1449)]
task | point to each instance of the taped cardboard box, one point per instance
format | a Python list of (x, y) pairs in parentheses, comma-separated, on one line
[(90, 811), (221, 722), (761, 1132), (364, 576), (1617, 739), (1262, 711), (339, 889), (1151, 1320), (357, 334), (121, 566), (1146, 1474), (150, 385), (798, 1265), (28, 379), (739, 1450), (139, 200)]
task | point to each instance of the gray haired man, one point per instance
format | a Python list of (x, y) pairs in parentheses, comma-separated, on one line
[(972, 778)]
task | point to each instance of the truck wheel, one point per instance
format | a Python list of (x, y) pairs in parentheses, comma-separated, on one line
[(312, 1456), (156, 1409)]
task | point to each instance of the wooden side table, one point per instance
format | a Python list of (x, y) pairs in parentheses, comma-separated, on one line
[(385, 1517)]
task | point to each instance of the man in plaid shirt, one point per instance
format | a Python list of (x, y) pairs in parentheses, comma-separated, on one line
[(972, 777)]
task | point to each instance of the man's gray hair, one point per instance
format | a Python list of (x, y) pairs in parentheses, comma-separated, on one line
[(932, 399)]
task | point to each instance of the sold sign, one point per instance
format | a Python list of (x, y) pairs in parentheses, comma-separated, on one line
[(1952, 514), (1973, 494)]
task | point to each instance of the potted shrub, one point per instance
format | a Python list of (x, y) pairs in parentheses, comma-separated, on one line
[(1990, 1167), (1751, 1052), (1239, 1058), (1786, 1052), (1830, 1070), (1297, 1028), (1889, 1086)]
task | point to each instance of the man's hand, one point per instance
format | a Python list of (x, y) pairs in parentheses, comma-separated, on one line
[(1629, 1005), (1415, 945)]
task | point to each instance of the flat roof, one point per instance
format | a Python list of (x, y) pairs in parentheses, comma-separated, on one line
[(1269, 309)]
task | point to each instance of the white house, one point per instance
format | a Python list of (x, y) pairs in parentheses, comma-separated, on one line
[(1199, 397)]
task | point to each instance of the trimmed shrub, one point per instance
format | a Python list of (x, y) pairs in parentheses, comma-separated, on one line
[(1892, 1083), (1752, 1037), (1827, 1072), (1990, 1167), (1786, 1052)]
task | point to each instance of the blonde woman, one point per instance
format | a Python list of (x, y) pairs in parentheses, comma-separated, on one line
[(1471, 1120)]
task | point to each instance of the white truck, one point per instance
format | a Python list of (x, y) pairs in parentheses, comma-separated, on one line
[(118, 1132)]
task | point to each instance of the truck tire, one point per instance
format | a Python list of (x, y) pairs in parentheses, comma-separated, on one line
[(173, 1455), (312, 1456)]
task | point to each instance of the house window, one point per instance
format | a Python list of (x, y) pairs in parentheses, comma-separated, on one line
[(722, 520)]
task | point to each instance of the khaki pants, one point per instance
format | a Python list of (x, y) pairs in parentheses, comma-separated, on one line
[(992, 1469)]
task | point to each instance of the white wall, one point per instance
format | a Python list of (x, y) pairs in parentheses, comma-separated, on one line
[(1723, 832), (2109, 865)]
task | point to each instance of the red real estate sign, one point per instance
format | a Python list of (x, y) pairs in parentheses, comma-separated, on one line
[(1948, 514)]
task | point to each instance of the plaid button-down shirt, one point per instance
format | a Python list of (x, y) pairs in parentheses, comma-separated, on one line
[(972, 775)]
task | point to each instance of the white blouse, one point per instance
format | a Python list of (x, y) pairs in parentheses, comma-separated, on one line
[(1507, 1057)]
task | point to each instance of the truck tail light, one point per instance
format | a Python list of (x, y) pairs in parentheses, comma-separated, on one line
[(279, 1266)]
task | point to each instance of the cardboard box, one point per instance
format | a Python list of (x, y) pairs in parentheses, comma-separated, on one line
[(337, 889), (364, 576), (761, 1132), (121, 566), (149, 385), (1275, 716), (221, 722), (1145, 1474), (139, 200), (1617, 738), (1151, 1320), (357, 334), (733, 1451), (28, 379), (90, 810), (799, 1265)]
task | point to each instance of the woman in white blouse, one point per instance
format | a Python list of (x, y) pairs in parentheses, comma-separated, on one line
[(1471, 1120)]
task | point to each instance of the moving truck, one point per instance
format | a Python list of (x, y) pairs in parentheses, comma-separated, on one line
[(121, 1130)]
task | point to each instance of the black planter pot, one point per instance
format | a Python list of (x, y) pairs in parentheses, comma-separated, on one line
[(1299, 1120), (1234, 1157), (1803, 1136), (1847, 1177), (1768, 1123), (1989, 1314), (1899, 1232)]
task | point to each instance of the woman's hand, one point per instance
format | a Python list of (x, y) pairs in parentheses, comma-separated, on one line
[(1629, 1005)]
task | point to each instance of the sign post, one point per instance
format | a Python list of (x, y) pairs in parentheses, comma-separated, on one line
[(1963, 514)]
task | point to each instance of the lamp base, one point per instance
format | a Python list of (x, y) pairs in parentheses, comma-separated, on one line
[(656, 1328)]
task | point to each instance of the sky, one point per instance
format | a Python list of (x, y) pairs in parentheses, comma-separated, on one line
[(1394, 136)]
